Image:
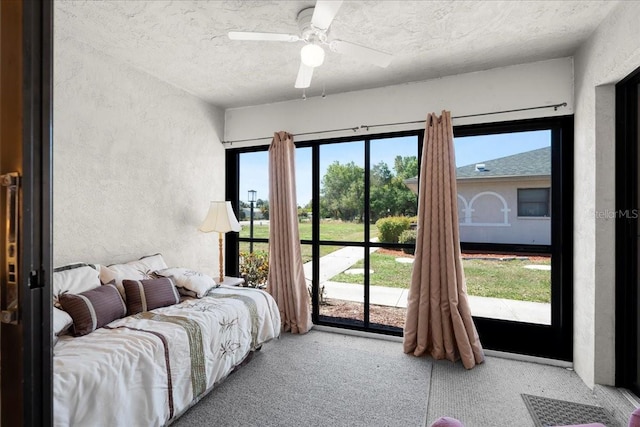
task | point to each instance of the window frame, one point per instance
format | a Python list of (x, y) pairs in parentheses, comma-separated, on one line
[(553, 341), (547, 202)]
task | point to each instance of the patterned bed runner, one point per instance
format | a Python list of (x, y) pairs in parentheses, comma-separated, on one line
[(192, 328), (253, 311)]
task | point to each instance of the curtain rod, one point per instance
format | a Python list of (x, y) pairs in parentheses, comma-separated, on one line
[(367, 127)]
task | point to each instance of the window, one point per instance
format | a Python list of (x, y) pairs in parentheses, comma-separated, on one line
[(350, 190), (533, 202)]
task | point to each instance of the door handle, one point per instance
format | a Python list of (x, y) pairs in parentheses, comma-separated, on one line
[(9, 295)]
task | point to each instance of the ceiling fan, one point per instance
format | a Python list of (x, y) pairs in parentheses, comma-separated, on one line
[(314, 25)]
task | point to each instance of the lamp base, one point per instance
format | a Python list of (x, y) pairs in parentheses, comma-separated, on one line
[(220, 259)]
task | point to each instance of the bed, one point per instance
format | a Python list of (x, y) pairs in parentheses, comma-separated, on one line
[(148, 367)]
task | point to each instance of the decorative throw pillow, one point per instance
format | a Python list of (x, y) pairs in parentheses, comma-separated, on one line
[(93, 309), (61, 321), (190, 283), (74, 279), (145, 295), (446, 422), (634, 420), (132, 270)]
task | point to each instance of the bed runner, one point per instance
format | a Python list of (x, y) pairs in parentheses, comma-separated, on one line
[(253, 311), (192, 328)]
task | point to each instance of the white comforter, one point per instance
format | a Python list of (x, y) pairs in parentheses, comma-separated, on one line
[(144, 370)]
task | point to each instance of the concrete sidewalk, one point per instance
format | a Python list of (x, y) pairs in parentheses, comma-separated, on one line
[(495, 308), (342, 259), (336, 262)]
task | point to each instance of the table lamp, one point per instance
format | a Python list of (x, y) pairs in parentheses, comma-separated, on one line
[(220, 219)]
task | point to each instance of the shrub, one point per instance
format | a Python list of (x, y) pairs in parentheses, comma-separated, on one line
[(408, 237), (254, 268), (390, 228)]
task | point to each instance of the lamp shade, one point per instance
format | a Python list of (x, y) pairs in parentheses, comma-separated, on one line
[(220, 218)]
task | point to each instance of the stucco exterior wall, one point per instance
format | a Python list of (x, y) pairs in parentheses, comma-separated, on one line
[(488, 213), (136, 162)]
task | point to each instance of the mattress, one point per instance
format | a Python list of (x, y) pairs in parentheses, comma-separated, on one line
[(146, 369)]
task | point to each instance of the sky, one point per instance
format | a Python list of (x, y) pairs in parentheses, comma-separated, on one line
[(254, 167)]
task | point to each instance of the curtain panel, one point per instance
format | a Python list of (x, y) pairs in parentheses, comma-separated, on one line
[(286, 281), (438, 319)]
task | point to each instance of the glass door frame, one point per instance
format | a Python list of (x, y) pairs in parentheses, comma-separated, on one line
[(366, 244), (553, 341), (627, 228), (27, 124)]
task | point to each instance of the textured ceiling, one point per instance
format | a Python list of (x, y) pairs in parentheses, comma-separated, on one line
[(184, 42)]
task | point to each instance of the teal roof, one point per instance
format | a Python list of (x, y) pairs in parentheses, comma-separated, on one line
[(530, 163)]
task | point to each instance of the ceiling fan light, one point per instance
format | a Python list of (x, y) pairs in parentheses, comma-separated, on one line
[(312, 55)]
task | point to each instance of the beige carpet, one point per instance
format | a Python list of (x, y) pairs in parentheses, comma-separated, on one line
[(320, 379)]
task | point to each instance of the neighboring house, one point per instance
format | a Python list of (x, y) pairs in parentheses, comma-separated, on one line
[(505, 200), (257, 213)]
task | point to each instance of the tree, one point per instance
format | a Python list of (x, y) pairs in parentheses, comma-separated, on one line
[(406, 167), (242, 215), (389, 195), (342, 193), (263, 205)]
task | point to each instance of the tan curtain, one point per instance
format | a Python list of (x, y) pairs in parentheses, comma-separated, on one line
[(286, 282), (439, 320)]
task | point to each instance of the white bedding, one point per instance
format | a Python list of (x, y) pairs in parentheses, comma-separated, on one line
[(118, 375)]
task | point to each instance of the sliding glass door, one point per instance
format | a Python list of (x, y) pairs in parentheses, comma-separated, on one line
[(515, 203), (364, 208), (628, 233), (505, 213)]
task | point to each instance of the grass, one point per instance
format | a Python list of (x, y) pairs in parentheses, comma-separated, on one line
[(497, 279), (329, 230), (508, 280), (386, 272)]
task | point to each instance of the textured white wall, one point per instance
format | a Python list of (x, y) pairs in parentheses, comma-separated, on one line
[(611, 53), (136, 162), (498, 89)]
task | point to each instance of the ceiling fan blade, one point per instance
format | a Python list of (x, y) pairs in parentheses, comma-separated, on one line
[(375, 57), (273, 37), (304, 77), (324, 12)]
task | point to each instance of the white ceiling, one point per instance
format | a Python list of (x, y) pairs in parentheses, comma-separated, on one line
[(184, 42)]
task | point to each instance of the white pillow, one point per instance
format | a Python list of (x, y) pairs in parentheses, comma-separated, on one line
[(61, 322), (75, 278), (189, 282), (132, 270)]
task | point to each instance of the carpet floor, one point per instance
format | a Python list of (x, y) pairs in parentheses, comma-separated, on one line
[(330, 379), (320, 379), (490, 394)]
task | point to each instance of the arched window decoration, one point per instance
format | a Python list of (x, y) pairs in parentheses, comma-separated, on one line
[(491, 210), (464, 215)]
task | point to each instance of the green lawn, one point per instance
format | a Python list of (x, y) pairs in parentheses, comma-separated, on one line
[(498, 279), (508, 280), (329, 230), (386, 272)]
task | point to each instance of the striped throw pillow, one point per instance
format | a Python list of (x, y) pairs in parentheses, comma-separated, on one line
[(93, 309), (145, 295)]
